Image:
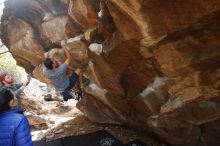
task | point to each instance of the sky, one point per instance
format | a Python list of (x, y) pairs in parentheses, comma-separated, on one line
[(1, 6), (1, 11)]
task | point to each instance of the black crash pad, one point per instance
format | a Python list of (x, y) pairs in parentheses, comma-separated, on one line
[(98, 138)]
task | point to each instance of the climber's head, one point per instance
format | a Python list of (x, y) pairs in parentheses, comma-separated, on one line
[(7, 100), (50, 64)]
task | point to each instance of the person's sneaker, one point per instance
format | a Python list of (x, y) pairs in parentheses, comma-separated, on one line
[(48, 97), (73, 93)]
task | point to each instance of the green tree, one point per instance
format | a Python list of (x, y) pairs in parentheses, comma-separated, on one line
[(8, 65)]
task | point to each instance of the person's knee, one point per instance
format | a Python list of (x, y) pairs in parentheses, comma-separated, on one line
[(78, 71)]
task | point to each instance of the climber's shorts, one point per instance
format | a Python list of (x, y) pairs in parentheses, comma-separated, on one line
[(73, 78), (67, 92)]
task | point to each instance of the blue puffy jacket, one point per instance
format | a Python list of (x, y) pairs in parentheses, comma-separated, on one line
[(14, 129)]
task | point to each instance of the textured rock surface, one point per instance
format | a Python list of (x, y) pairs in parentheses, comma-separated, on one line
[(158, 67), (57, 119)]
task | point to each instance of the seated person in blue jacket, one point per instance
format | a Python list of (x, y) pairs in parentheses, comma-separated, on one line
[(14, 126), (57, 74), (7, 81)]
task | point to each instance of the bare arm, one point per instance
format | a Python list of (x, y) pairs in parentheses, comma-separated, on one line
[(68, 61), (18, 92)]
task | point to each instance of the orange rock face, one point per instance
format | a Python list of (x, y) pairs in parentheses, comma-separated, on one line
[(153, 65)]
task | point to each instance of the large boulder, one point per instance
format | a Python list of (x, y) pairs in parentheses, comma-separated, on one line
[(153, 65)]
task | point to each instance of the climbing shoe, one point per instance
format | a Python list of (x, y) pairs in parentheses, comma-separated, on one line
[(79, 94)]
